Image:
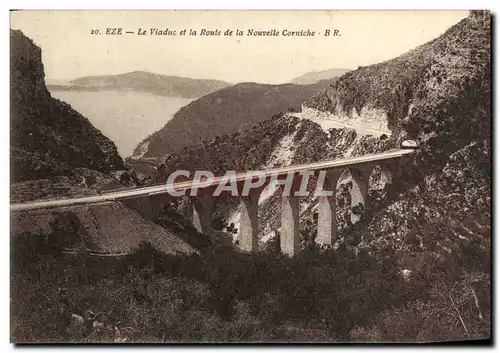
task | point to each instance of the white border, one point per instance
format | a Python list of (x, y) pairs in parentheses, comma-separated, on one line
[(178, 4)]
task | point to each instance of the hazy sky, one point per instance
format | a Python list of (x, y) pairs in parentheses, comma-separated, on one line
[(70, 50)]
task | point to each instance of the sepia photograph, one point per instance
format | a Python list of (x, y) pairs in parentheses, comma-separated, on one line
[(250, 176)]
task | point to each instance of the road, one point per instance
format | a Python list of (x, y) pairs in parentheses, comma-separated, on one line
[(327, 124), (186, 185)]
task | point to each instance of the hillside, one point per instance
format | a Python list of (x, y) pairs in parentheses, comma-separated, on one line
[(56, 152), (454, 93), (106, 229), (388, 90), (142, 81), (449, 112), (436, 222), (229, 110), (47, 136), (316, 76)]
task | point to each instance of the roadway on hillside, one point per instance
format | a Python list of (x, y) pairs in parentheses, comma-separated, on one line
[(186, 185), (327, 124)]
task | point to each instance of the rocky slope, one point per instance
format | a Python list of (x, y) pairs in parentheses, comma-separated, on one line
[(314, 77), (450, 114), (393, 90), (47, 136), (229, 110), (142, 81)]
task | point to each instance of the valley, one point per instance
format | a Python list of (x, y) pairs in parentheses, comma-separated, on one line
[(125, 117)]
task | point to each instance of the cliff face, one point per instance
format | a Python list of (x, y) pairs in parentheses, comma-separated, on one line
[(47, 136)]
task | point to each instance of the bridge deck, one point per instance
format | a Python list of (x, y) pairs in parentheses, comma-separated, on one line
[(160, 189)]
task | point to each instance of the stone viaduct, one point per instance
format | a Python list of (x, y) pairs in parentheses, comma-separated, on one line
[(360, 169), (149, 201)]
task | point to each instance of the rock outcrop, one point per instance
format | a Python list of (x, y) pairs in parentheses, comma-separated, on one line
[(47, 136)]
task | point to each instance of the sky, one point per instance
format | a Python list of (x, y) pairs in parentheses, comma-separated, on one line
[(69, 50)]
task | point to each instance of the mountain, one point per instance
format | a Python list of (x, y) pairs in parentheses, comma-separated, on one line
[(142, 81), (396, 90), (229, 110), (316, 76), (436, 221), (47, 136)]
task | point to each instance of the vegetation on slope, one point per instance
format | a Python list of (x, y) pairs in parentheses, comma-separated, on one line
[(322, 295), (229, 110), (395, 85)]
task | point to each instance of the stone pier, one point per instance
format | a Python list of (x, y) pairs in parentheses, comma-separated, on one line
[(359, 192), (327, 207), (201, 209), (148, 207), (248, 232), (290, 232)]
